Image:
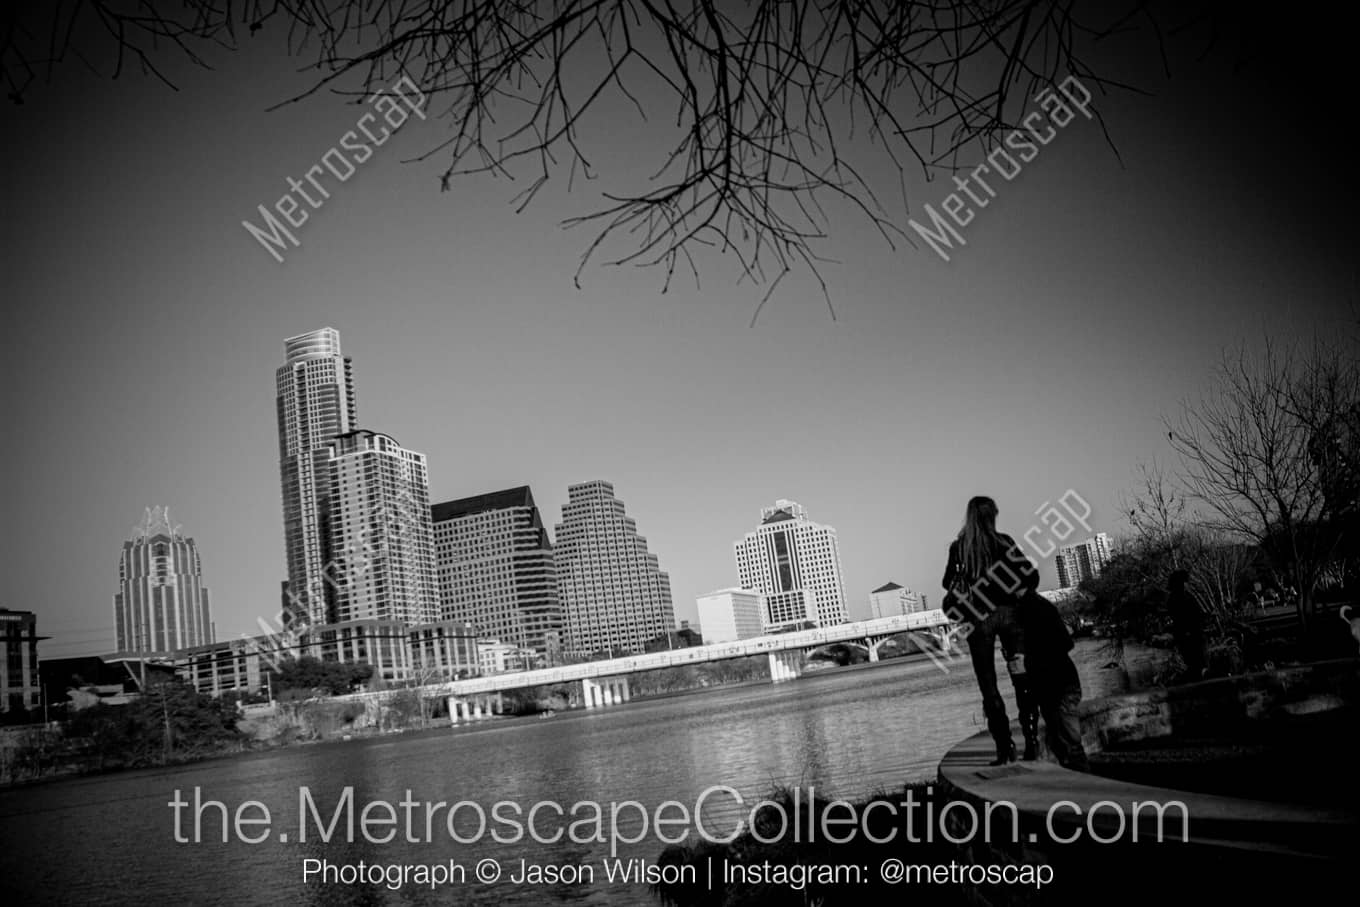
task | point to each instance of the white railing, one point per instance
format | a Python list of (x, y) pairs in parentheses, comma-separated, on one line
[(801, 639)]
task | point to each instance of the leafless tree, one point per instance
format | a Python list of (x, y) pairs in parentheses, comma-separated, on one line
[(1158, 512), (1167, 535), (763, 108), (1248, 452)]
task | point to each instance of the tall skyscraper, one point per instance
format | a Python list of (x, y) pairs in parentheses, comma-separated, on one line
[(381, 540), (162, 604), (496, 569), (789, 558), (315, 396), (1082, 561), (614, 593)]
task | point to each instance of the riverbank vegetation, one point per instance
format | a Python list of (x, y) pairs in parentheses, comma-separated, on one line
[(167, 723)]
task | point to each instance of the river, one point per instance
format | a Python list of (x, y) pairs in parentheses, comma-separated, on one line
[(111, 839)]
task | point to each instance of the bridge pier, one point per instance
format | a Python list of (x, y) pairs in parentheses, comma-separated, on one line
[(605, 691), (785, 664), (872, 646), (473, 708)]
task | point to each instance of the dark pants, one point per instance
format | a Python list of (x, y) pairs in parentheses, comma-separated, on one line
[(1190, 642), (1000, 624), (1056, 691), (1028, 703)]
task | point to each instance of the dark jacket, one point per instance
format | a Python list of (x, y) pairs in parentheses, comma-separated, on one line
[(1186, 617), (1012, 577), (1047, 643), (1047, 634)]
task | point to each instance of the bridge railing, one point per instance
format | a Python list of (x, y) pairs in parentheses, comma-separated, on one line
[(800, 639)]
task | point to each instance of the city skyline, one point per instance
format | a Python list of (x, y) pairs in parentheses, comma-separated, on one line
[(1064, 330), (322, 347)]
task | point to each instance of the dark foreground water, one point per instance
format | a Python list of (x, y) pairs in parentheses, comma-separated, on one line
[(851, 733)]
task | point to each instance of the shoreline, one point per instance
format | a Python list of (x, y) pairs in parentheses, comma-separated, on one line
[(442, 725)]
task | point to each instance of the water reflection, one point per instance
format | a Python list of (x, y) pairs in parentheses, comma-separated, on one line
[(109, 840)]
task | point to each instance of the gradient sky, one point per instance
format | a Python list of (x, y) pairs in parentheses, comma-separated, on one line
[(144, 327)]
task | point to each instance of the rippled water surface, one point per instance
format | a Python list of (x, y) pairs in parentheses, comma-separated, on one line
[(850, 733)]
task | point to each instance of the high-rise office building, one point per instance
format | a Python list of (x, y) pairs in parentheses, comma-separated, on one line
[(1082, 561), (20, 687), (161, 604), (615, 597), (496, 569), (315, 396), (381, 540), (789, 554), (1102, 550)]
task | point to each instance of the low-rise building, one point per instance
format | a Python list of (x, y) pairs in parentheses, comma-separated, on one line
[(446, 650), (728, 615), (19, 684), (496, 657)]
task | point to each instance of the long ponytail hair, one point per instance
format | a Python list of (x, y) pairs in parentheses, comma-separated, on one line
[(979, 543)]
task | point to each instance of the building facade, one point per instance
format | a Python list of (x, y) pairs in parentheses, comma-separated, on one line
[(161, 604), (447, 650), (316, 403), (792, 610), (231, 665), (729, 615), (381, 541), (789, 554), (20, 687), (497, 657), (1083, 561), (614, 595), (431, 653), (496, 569)]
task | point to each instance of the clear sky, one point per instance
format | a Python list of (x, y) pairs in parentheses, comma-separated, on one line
[(144, 325)]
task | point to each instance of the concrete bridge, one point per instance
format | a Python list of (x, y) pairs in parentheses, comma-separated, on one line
[(605, 683)]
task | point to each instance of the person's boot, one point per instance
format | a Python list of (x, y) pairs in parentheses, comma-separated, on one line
[(1005, 749)]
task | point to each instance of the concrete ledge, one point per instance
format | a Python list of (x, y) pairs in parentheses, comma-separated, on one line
[(1248, 847)]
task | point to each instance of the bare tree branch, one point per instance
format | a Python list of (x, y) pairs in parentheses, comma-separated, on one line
[(768, 96)]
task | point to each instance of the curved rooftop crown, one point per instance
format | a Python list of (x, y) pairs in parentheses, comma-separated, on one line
[(155, 522), (313, 344)]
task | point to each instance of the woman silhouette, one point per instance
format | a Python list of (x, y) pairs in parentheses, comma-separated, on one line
[(987, 577)]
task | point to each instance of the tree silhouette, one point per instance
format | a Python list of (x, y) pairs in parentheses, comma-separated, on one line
[(764, 107), (1249, 455)]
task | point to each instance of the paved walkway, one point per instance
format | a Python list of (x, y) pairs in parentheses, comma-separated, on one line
[(1220, 822)]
